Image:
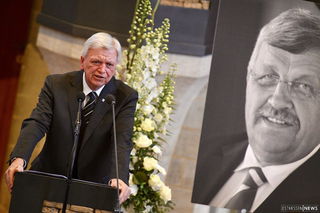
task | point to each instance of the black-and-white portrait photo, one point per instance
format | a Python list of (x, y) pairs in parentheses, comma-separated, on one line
[(260, 140)]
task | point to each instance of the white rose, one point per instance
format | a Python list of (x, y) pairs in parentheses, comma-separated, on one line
[(157, 149), (165, 193), (148, 125), (142, 141), (155, 182), (147, 109), (158, 117), (149, 163)]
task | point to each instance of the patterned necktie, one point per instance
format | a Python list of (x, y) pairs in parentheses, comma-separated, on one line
[(88, 108), (244, 198), (86, 113)]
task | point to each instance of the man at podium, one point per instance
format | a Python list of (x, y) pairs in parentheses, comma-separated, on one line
[(55, 114)]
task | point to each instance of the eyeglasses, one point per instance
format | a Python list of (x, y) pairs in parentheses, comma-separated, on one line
[(296, 89)]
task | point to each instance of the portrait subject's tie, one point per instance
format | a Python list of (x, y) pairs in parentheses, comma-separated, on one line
[(244, 198)]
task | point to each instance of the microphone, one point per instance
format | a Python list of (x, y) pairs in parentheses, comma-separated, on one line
[(80, 98), (110, 99)]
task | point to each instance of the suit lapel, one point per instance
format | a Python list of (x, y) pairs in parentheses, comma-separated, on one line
[(102, 107), (76, 87), (231, 156)]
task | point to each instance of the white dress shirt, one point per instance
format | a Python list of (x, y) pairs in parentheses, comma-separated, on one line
[(87, 90), (275, 174)]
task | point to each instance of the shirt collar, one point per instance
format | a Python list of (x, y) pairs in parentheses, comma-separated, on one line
[(86, 88), (275, 174)]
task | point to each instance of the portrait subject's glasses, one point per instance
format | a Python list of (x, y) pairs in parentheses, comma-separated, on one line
[(296, 89)]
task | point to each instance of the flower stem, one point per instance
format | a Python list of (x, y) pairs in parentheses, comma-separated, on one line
[(155, 10)]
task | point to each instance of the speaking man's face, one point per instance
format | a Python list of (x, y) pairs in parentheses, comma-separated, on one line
[(283, 104), (99, 66)]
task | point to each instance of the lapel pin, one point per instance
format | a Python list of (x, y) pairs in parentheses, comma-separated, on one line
[(103, 100)]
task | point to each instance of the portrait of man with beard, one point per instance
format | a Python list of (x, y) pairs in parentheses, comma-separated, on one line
[(279, 162)]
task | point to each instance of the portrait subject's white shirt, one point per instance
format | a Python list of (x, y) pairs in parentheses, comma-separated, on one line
[(274, 174)]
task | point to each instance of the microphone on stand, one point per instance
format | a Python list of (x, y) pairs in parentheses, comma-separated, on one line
[(80, 99), (110, 99)]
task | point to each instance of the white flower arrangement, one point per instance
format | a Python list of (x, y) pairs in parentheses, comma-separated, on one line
[(142, 141), (140, 69)]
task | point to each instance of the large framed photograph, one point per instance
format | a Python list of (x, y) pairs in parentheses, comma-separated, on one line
[(260, 140)]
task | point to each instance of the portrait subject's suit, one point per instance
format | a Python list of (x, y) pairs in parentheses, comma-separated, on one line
[(300, 187), (55, 116)]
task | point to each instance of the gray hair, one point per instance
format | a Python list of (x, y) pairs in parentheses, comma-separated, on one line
[(102, 40), (295, 30)]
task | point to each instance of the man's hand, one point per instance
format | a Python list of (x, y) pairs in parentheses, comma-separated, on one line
[(15, 166), (123, 188)]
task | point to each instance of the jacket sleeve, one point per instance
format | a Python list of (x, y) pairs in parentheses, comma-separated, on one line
[(36, 126)]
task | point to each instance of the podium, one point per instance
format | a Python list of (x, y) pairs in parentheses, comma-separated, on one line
[(33, 191)]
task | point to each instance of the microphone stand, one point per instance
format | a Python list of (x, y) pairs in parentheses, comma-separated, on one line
[(73, 152), (117, 208)]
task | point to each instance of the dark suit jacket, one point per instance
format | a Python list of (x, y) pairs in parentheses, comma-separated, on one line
[(300, 187), (55, 116)]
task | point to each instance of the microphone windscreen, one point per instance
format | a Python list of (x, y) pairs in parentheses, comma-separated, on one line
[(80, 96), (110, 98)]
